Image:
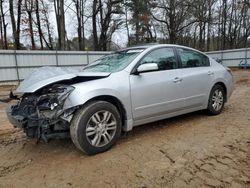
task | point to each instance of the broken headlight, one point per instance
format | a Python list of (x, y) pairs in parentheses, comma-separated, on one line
[(54, 97)]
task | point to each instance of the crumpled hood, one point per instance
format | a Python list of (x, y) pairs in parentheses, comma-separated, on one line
[(48, 75)]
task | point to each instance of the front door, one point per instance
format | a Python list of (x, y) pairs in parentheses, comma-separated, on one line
[(158, 92)]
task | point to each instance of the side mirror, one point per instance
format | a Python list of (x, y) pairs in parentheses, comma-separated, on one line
[(147, 67)]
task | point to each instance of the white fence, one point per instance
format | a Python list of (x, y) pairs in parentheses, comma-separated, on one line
[(17, 65), (231, 58)]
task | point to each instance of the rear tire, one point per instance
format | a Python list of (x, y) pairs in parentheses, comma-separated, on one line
[(96, 127), (216, 100)]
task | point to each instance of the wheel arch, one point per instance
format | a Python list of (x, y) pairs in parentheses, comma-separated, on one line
[(223, 85), (113, 100)]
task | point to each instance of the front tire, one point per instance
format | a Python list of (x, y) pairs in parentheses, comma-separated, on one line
[(96, 127), (216, 100)]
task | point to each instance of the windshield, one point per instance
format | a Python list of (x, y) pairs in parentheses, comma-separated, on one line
[(113, 62)]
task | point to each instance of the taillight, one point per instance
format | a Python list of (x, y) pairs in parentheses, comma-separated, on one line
[(229, 70)]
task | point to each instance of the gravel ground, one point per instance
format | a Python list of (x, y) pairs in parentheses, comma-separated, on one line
[(193, 150)]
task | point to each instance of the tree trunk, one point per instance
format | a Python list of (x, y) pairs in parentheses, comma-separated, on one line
[(82, 5), (48, 43), (200, 35), (79, 25), (126, 22), (60, 20), (13, 23), (33, 45), (62, 25), (224, 22), (172, 30), (246, 24), (3, 27), (209, 23), (15, 28), (218, 41), (137, 27), (94, 19), (29, 9), (1, 31), (79, 4), (39, 24), (18, 28)]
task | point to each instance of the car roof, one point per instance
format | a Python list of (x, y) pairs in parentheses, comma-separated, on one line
[(136, 47), (152, 45), (156, 45)]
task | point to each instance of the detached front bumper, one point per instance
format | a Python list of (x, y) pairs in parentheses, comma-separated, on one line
[(16, 120), (33, 127), (41, 115), (42, 127)]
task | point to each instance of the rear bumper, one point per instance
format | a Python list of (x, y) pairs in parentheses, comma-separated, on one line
[(230, 87), (230, 92)]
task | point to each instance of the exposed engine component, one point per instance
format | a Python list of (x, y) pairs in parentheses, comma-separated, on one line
[(41, 114)]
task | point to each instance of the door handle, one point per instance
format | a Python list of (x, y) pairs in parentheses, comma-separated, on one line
[(210, 73), (177, 79)]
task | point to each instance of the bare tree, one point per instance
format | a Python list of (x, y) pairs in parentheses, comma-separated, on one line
[(16, 25), (60, 20), (246, 21), (203, 24), (141, 20), (95, 10), (224, 22), (29, 8), (38, 23), (173, 14), (126, 21), (200, 13), (3, 26), (108, 24), (210, 4), (49, 41), (104, 11), (80, 7)]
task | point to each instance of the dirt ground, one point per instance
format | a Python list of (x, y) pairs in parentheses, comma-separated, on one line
[(193, 150)]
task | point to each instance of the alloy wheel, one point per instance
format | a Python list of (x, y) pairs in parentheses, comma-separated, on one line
[(217, 100), (101, 128)]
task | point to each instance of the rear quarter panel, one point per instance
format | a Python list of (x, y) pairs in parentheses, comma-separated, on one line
[(222, 75)]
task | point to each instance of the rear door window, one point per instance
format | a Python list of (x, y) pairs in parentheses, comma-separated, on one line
[(190, 58)]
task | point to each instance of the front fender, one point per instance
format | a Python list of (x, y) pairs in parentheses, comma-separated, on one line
[(85, 92), (78, 97)]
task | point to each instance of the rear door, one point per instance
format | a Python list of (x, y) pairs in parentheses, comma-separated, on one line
[(196, 75)]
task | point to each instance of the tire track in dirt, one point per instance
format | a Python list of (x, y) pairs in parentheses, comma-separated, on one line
[(6, 170)]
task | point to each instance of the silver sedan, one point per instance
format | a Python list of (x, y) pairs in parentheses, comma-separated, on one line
[(122, 90)]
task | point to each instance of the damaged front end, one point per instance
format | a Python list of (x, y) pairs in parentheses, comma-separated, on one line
[(41, 114)]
